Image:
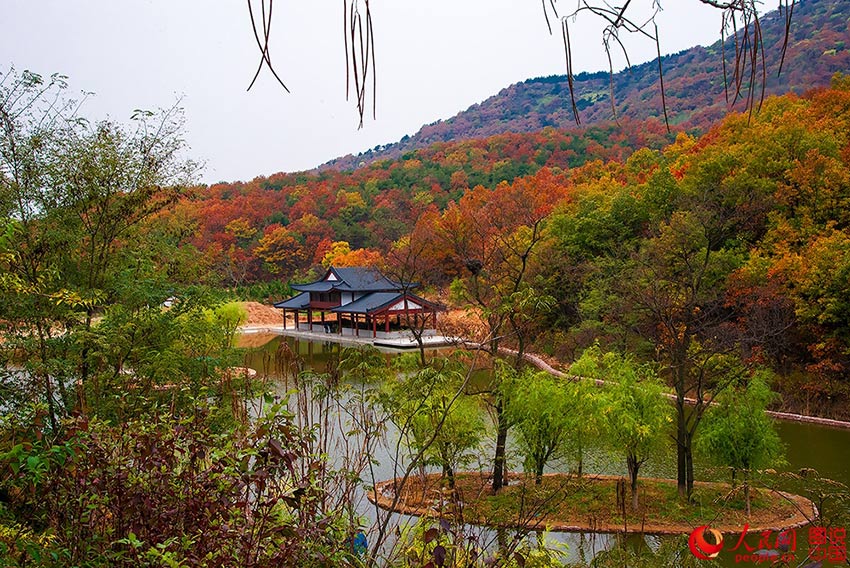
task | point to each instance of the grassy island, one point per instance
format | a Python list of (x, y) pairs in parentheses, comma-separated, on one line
[(565, 502)]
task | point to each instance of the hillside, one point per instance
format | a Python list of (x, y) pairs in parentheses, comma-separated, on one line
[(620, 229), (693, 83), (268, 227)]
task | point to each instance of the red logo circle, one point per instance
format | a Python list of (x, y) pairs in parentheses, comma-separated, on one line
[(700, 547)]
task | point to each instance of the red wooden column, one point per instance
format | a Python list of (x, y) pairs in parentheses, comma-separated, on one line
[(374, 327)]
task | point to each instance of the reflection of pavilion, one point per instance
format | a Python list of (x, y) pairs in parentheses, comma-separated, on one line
[(360, 302)]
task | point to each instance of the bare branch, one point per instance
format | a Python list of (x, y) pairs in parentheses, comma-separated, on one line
[(264, 45), (661, 80), (749, 47)]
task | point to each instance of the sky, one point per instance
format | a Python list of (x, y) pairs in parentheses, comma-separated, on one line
[(434, 59)]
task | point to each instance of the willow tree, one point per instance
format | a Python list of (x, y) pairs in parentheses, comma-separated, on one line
[(440, 425), (635, 414), (540, 411), (738, 434)]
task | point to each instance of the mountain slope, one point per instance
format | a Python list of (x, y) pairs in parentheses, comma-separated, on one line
[(818, 47)]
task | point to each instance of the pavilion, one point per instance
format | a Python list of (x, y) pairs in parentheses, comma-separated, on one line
[(357, 300)]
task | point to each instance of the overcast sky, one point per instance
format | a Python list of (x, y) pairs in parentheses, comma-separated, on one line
[(434, 59)]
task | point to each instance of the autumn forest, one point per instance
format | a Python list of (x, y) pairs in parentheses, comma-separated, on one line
[(762, 200)]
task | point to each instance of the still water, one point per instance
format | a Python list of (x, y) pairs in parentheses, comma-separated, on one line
[(821, 448)]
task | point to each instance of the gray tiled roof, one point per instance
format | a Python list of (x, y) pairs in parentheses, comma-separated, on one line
[(320, 286), (377, 301), (298, 302), (369, 303), (353, 279), (359, 279)]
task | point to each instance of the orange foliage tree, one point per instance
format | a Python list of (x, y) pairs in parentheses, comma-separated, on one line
[(491, 239)]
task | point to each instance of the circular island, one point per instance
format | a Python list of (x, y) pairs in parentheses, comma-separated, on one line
[(593, 503)]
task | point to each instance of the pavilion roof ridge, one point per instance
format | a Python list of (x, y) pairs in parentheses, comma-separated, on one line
[(354, 279)]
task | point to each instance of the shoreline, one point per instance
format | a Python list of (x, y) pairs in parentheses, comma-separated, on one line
[(789, 416), (251, 329)]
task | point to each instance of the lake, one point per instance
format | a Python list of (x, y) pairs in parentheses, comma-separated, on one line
[(811, 446)]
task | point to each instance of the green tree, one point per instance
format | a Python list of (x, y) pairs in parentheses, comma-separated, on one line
[(636, 416), (675, 287), (144, 355), (539, 408), (584, 421), (440, 425), (738, 434), (73, 195), (35, 299)]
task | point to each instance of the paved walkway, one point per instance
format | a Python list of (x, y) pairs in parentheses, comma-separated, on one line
[(390, 343), (542, 365)]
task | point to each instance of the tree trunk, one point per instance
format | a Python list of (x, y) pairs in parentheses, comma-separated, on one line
[(634, 466), (580, 463), (417, 329), (84, 367), (449, 474), (538, 473), (689, 460), (685, 465), (44, 376), (679, 364), (681, 459), (499, 477), (423, 361)]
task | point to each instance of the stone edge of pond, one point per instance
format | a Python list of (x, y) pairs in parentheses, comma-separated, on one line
[(382, 496)]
